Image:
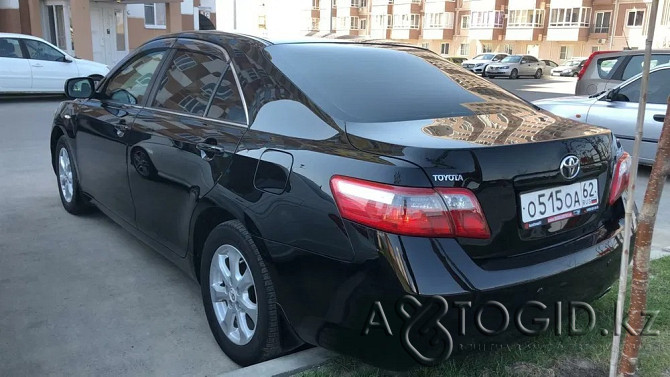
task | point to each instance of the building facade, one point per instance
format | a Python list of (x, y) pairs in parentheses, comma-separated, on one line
[(105, 30), (549, 29)]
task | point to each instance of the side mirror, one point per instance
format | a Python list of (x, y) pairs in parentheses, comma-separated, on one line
[(79, 87)]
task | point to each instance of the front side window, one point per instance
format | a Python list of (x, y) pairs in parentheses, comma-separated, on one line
[(154, 15), (129, 85), (189, 82), (41, 51), (10, 48), (635, 18)]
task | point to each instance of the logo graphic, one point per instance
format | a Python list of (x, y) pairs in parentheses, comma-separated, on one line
[(570, 166)]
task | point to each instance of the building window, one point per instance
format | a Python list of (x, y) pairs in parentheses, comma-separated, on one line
[(525, 18), (381, 21), (363, 4), (347, 23), (315, 4), (508, 49), (486, 47), (363, 24), (570, 17), (438, 20), (465, 22), (425, 45), (406, 21), (635, 18), (602, 22), (154, 15), (315, 24), (665, 17), (487, 19), (595, 49), (566, 52), (464, 50), (444, 49)]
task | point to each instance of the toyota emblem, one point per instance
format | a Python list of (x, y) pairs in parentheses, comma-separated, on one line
[(570, 167)]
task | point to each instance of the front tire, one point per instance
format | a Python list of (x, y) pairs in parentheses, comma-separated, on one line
[(68, 181), (514, 74), (238, 295), (538, 74), (484, 71)]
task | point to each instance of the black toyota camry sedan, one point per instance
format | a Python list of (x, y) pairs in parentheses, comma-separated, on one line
[(331, 192)]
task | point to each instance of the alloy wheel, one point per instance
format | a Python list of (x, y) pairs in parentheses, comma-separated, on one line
[(65, 175), (233, 294)]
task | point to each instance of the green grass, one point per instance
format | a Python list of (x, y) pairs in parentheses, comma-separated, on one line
[(548, 350)]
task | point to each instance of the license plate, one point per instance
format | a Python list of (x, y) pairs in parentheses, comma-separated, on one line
[(549, 205)]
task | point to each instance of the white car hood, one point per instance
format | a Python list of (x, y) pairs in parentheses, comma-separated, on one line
[(476, 61), (572, 100)]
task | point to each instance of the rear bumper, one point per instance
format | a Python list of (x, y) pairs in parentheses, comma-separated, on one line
[(334, 304)]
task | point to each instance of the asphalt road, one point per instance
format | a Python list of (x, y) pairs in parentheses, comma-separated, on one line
[(79, 296)]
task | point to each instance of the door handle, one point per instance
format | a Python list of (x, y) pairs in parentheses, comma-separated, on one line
[(208, 151), (38, 65), (659, 117)]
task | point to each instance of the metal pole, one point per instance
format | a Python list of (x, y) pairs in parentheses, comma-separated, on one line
[(630, 203), (234, 14)]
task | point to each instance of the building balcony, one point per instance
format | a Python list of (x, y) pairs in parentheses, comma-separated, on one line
[(486, 33), (568, 33), (446, 33), (405, 33)]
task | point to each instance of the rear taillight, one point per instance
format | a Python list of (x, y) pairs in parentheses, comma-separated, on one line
[(620, 177), (423, 212), (588, 61)]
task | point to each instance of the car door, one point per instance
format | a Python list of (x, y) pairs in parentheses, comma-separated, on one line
[(50, 67), (620, 113), (103, 123), (14, 68), (183, 140)]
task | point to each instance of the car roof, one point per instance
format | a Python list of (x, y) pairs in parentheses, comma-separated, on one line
[(16, 35), (630, 52)]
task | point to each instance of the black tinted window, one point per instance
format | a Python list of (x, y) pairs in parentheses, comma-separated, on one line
[(227, 104), (636, 62), (189, 82), (606, 66), (374, 84), (129, 85), (659, 89), (41, 51), (10, 48), (531, 59)]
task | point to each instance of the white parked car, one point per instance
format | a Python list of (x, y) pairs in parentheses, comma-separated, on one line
[(479, 63), (32, 65)]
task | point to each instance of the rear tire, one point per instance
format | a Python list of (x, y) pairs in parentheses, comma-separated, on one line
[(514, 74), (538, 74), (68, 181), (239, 296)]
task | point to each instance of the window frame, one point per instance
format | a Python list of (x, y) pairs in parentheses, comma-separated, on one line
[(161, 71), (155, 25), (637, 13), (600, 28), (442, 45), (465, 22), (565, 17)]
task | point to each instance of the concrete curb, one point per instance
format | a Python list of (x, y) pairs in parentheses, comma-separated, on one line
[(284, 366)]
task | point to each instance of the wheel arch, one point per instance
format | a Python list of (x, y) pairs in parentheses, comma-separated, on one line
[(56, 132)]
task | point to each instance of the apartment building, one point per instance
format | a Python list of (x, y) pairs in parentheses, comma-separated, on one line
[(103, 30), (550, 29)]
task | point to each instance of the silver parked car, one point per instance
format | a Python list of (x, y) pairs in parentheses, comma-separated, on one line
[(616, 109), (606, 69), (514, 66), (570, 67), (479, 63)]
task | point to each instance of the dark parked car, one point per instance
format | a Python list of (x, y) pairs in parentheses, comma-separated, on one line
[(304, 184)]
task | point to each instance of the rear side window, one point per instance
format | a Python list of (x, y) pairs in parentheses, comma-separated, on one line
[(10, 48), (189, 82), (227, 103), (636, 62), (605, 66), (376, 84)]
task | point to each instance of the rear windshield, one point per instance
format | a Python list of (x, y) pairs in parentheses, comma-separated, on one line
[(512, 59), (370, 84)]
